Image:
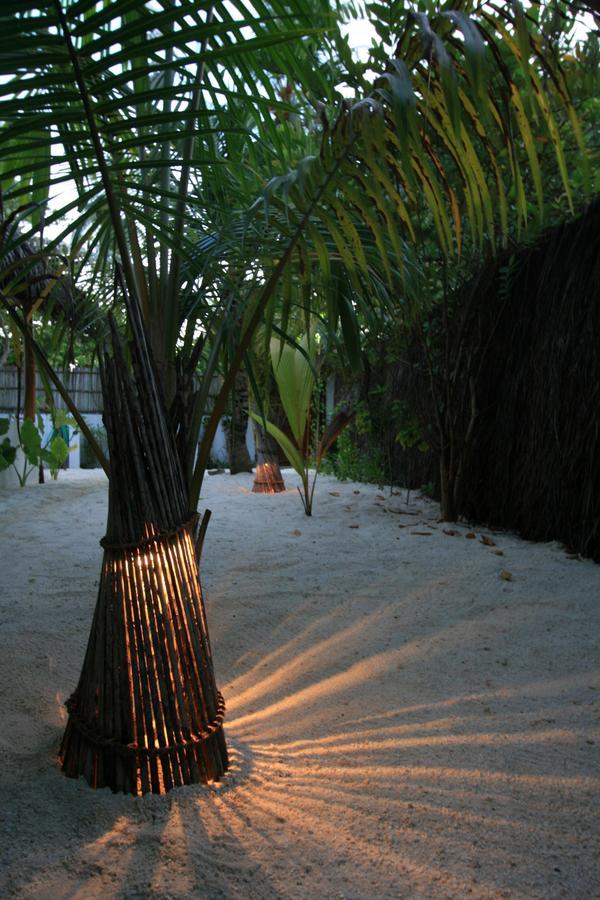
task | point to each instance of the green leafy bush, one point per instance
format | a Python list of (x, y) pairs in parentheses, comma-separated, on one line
[(350, 462), (295, 375), (52, 453)]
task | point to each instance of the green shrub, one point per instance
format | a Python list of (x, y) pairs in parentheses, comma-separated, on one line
[(349, 462)]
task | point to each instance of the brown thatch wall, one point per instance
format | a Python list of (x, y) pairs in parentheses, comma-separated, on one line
[(533, 464)]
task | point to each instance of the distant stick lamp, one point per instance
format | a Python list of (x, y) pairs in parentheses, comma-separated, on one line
[(268, 478), (146, 715)]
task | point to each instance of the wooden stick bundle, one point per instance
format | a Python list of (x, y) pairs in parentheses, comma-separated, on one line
[(146, 715), (268, 478)]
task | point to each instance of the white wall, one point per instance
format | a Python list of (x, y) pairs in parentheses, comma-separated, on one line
[(218, 451), (9, 479)]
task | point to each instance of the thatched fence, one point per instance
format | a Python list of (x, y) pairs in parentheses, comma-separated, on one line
[(533, 463), (513, 375)]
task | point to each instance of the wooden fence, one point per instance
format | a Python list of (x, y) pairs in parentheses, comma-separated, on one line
[(83, 384)]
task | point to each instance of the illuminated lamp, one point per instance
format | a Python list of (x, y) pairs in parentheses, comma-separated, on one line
[(268, 478)]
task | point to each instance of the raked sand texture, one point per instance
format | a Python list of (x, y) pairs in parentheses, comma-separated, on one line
[(410, 713)]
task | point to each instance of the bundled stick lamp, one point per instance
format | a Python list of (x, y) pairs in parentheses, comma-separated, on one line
[(268, 478), (146, 715)]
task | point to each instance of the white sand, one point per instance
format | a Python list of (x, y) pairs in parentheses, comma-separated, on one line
[(402, 721)]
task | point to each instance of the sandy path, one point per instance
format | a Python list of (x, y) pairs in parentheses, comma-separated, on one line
[(403, 722)]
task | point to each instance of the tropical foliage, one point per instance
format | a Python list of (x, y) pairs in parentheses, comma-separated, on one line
[(35, 450), (294, 370), (136, 106), (169, 116)]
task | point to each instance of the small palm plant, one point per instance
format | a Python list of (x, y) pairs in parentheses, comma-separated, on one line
[(295, 368)]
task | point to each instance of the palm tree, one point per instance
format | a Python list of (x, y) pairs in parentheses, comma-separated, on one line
[(443, 143)]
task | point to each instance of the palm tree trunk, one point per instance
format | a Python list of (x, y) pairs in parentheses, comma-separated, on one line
[(239, 458), (268, 478), (29, 398)]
